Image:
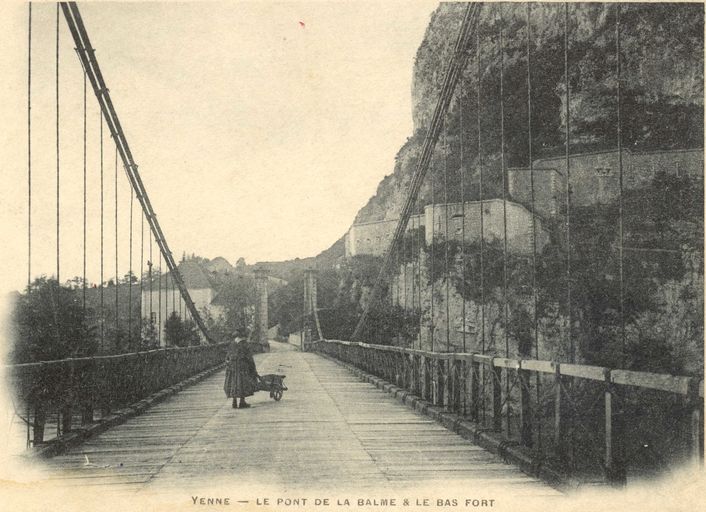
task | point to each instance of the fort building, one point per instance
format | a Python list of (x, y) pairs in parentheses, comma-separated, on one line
[(463, 220), (374, 237), (595, 177)]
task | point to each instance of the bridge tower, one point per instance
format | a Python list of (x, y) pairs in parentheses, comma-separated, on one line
[(262, 312), (311, 328), (310, 295)]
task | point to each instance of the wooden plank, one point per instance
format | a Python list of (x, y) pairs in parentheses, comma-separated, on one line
[(662, 382), (584, 371), (538, 366), (482, 359), (502, 362)]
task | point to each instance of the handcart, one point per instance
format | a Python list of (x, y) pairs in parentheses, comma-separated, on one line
[(272, 383)]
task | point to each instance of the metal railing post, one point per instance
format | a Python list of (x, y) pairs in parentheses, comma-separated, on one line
[(456, 384), (474, 391), (525, 408), (615, 473), (496, 375), (69, 395), (423, 377), (695, 404), (559, 415)]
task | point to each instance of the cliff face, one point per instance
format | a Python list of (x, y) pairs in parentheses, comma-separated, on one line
[(661, 97)]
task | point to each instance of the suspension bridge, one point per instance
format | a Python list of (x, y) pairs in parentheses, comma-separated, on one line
[(455, 371)]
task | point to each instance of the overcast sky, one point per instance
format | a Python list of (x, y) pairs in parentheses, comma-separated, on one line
[(256, 135)]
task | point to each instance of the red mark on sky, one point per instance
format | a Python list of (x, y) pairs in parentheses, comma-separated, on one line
[(301, 24)]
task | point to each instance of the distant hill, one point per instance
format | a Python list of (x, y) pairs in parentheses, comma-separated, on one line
[(288, 270)]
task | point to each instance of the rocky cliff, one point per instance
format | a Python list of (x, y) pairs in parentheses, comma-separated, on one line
[(661, 79)]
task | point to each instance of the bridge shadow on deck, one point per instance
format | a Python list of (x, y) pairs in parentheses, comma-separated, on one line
[(330, 431)]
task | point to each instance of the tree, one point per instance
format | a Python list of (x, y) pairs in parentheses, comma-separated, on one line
[(50, 323), (130, 277), (191, 336), (76, 282), (149, 334), (181, 333), (238, 297), (215, 325), (173, 330)]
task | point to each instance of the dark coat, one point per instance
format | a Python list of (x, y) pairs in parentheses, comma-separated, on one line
[(241, 374)]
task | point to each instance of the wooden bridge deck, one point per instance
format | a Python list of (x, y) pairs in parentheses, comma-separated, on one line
[(330, 431)]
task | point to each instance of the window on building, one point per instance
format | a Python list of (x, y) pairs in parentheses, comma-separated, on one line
[(153, 317)]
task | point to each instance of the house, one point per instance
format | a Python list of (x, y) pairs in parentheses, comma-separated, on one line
[(204, 280), (161, 297)]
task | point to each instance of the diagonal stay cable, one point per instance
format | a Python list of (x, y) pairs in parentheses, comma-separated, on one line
[(87, 55), (456, 65)]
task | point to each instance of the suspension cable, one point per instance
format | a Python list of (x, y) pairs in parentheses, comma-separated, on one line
[(143, 308), (480, 193), (504, 176), (455, 68), (102, 317), (419, 271), (149, 276), (572, 354), (167, 281), (130, 276), (117, 276), (463, 217), (446, 229), (433, 267), (534, 219), (531, 171), (620, 180), (479, 78), (404, 280), (85, 191), (29, 176), (87, 56), (29, 151), (397, 279), (159, 301), (58, 168)]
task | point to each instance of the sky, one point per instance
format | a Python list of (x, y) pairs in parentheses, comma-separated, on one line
[(259, 128)]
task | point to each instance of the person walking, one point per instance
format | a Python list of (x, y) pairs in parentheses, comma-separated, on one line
[(241, 373)]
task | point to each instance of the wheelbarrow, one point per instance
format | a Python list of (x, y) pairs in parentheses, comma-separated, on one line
[(272, 383)]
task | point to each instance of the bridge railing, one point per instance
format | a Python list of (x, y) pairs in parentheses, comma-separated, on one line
[(68, 392), (566, 417)]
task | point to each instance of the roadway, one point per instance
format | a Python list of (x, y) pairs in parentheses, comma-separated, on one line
[(330, 432)]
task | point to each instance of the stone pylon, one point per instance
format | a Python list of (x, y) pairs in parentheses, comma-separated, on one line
[(312, 329), (262, 313)]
